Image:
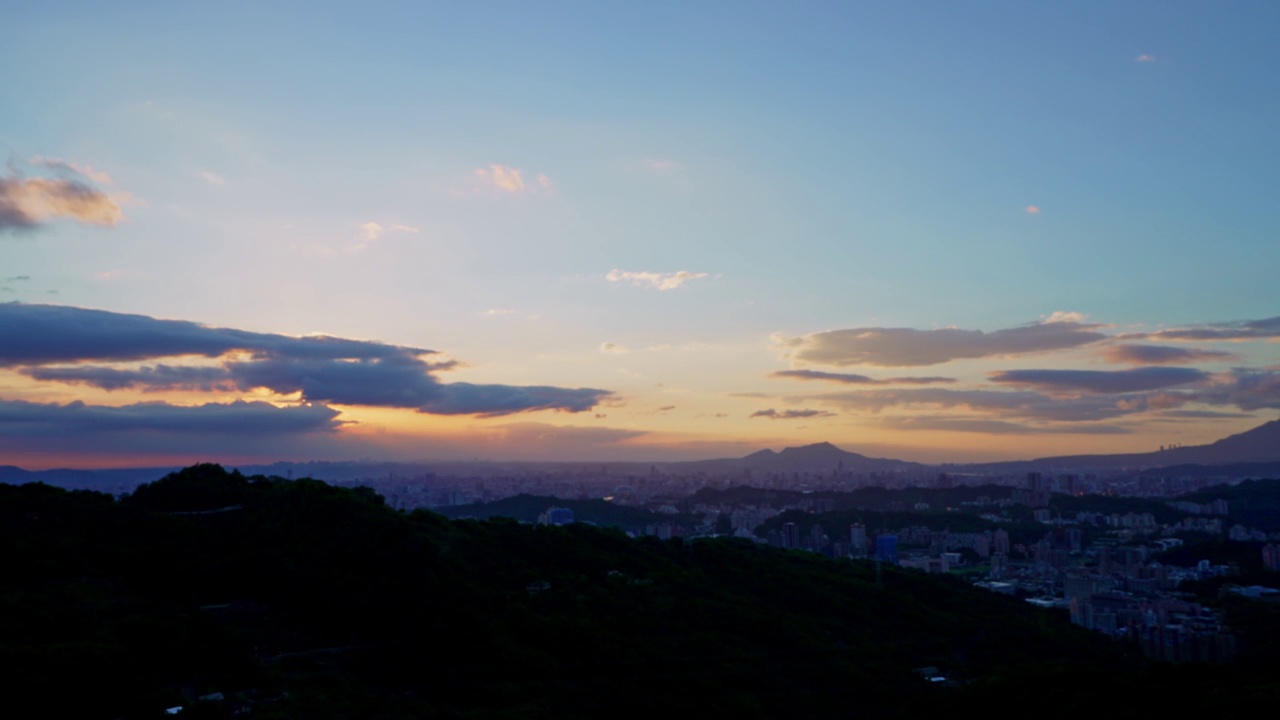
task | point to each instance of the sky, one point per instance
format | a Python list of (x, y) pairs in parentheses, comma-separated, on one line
[(936, 231)]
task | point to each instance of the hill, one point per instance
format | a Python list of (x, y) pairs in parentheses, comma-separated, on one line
[(302, 600)]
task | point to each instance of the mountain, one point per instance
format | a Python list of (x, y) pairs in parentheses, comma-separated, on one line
[(104, 480), (1259, 445), (818, 457)]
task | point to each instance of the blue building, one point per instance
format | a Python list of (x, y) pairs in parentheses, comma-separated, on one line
[(887, 548)]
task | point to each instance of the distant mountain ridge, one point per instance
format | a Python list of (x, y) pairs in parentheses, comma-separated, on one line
[(1258, 445), (1254, 452), (821, 456)]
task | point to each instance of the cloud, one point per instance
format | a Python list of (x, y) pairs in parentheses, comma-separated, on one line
[(791, 414), (995, 427), (371, 231), (45, 334), (498, 400), (319, 369), (655, 280), (1064, 316), (20, 418), (28, 203), (1102, 381), (906, 347), (609, 347), (68, 166), (1245, 388), (545, 183), (156, 378), (1098, 395), (507, 179), (1265, 329), (1145, 58), (852, 379), (1031, 210), (212, 178), (1015, 404), (1162, 355), (1203, 415)]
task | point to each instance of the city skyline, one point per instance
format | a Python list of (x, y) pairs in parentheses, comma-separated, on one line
[(585, 232)]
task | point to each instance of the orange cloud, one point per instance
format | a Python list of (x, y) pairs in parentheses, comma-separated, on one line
[(28, 203), (1032, 210)]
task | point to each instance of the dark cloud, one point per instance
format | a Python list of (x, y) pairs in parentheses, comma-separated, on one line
[(905, 347), (1162, 355), (1245, 388), (27, 203), (790, 414), (1102, 381), (401, 381), (322, 369), (496, 400), (55, 333), (1268, 328), (20, 418), (150, 379), (853, 379)]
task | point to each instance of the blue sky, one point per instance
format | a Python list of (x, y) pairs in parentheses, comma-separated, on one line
[(517, 184)]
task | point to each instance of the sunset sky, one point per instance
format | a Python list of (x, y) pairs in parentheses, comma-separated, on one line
[(634, 230)]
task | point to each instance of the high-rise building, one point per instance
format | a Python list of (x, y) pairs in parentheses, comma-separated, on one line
[(790, 536), (887, 548)]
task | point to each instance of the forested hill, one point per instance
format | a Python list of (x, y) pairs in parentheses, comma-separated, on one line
[(297, 599)]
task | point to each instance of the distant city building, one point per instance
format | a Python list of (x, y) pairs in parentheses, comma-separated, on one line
[(887, 548), (858, 540), (556, 516), (790, 536)]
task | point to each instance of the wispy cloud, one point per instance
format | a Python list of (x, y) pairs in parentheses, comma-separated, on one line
[(1145, 58), (854, 379), (371, 231), (655, 280), (1163, 355), (995, 427), (505, 179), (905, 347), (28, 203), (1265, 329), (1102, 381), (609, 347), (70, 166), (1032, 209), (212, 178), (791, 414)]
